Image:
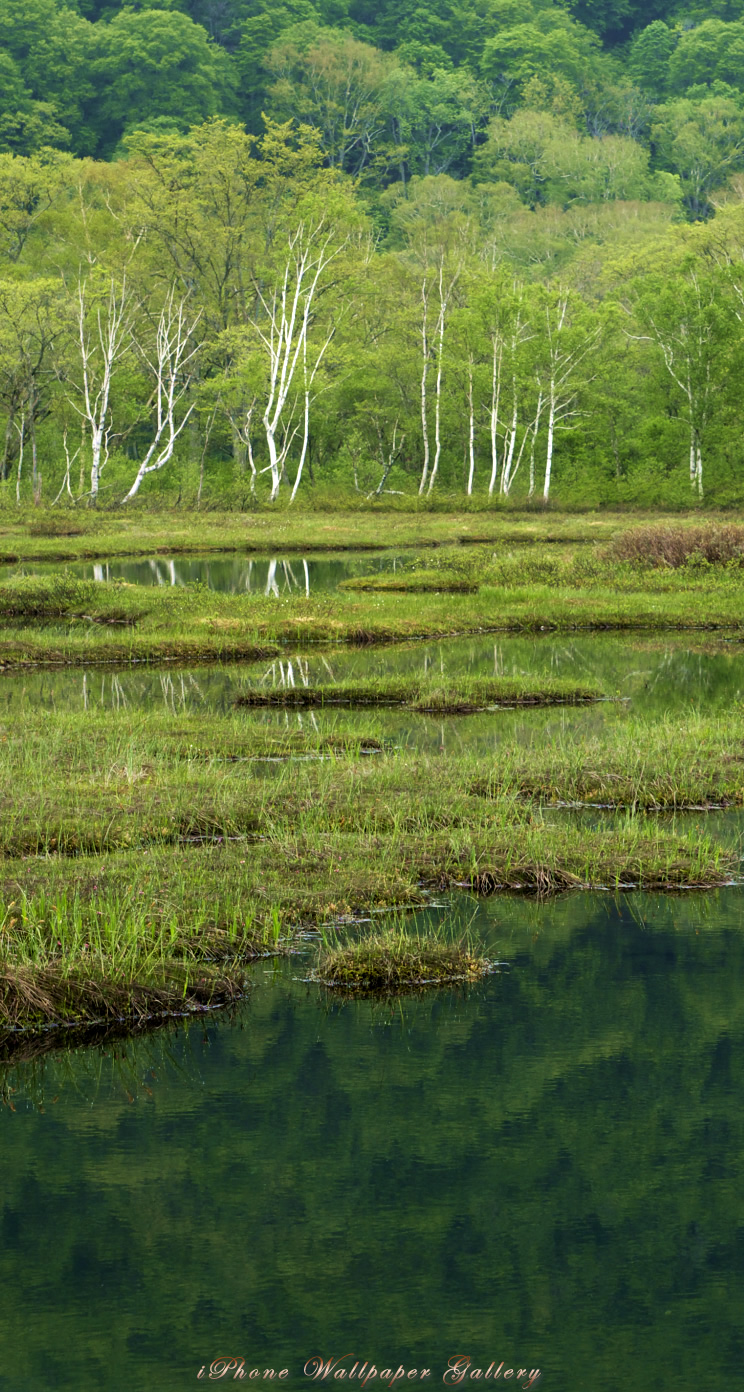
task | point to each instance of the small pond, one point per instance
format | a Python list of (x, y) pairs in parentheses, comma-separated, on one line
[(547, 1169), (230, 573), (656, 675)]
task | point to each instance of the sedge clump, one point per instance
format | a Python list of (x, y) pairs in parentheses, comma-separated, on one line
[(395, 959)]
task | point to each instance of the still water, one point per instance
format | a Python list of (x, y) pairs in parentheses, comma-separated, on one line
[(652, 675), (231, 574), (547, 1170)]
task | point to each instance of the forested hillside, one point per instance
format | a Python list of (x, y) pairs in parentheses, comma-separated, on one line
[(258, 249)]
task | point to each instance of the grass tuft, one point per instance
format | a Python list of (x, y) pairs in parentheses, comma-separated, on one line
[(396, 959), (450, 696), (429, 581)]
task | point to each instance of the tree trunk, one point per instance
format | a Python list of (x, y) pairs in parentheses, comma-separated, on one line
[(471, 431), (438, 399), (533, 443), (5, 466), (696, 465), (425, 369), (495, 395), (35, 474), (273, 463), (551, 434), (21, 438), (305, 437), (506, 472), (96, 446)]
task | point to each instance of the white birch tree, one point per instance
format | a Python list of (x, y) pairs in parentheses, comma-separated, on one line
[(285, 335), (170, 363), (685, 317), (444, 280), (103, 337), (567, 339)]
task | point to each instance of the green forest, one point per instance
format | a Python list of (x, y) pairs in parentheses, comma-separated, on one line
[(288, 252)]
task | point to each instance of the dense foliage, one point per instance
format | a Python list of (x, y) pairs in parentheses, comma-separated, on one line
[(254, 250)]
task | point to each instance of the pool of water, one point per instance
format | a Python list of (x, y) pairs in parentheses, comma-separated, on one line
[(546, 1170), (232, 574), (654, 676)]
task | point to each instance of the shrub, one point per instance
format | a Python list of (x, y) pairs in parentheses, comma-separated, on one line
[(676, 546)]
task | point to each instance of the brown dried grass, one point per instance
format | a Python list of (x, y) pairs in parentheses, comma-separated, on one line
[(673, 545)]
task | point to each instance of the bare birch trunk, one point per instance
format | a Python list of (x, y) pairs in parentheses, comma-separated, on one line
[(21, 437), (533, 443), (424, 372), (495, 397), (438, 406), (306, 424), (551, 435), (471, 431), (171, 366), (5, 465), (35, 474), (286, 337), (99, 355), (69, 461)]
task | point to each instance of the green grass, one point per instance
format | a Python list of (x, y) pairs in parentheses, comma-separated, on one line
[(397, 958), (86, 534), (45, 994), (61, 622), (443, 696), (317, 832), (674, 762), (146, 858), (706, 557), (691, 761), (443, 580), (219, 903), (104, 959)]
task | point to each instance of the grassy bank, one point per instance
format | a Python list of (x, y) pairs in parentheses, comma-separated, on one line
[(147, 858), (89, 535), (77, 783), (38, 995), (102, 959), (367, 829), (690, 762)]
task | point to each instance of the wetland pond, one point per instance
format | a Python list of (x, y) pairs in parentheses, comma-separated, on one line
[(228, 572), (653, 675), (546, 1170)]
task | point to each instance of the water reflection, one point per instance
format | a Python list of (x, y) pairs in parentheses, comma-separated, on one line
[(231, 574), (545, 1168), (655, 675)]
